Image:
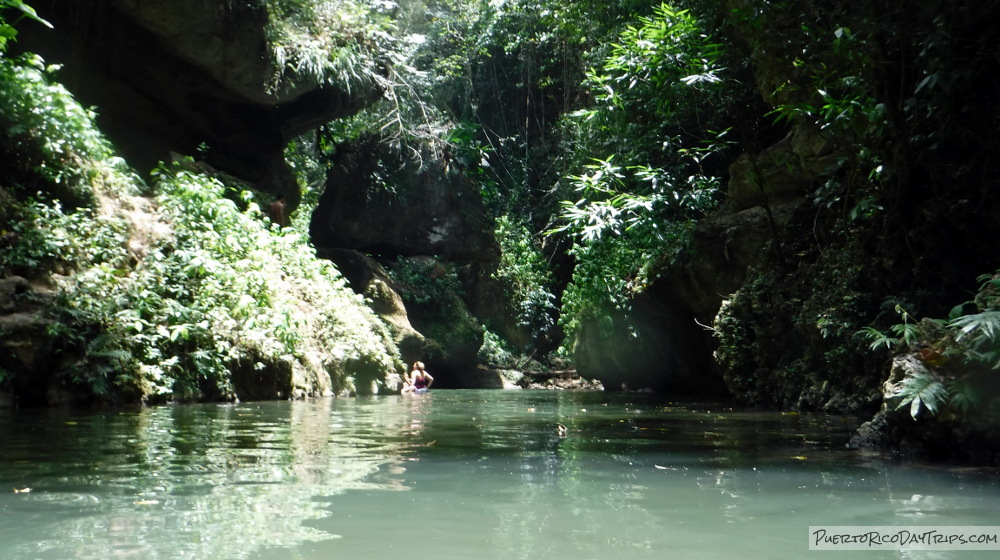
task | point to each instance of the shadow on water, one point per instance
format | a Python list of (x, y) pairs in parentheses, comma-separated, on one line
[(484, 474)]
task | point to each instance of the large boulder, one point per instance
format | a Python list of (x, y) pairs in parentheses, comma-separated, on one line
[(29, 352), (11, 290), (724, 247), (378, 202), (188, 76), (788, 168), (368, 278)]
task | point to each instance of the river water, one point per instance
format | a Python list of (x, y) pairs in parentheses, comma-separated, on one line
[(459, 474)]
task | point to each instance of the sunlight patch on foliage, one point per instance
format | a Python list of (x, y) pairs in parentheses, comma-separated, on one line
[(58, 135), (339, 42), (164, 298)]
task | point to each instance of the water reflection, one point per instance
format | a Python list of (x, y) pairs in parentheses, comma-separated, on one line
[(183, 482), (483, 474)]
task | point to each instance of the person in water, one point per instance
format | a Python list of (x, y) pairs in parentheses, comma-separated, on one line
[(408, 382), (420, 381), (278, 211)]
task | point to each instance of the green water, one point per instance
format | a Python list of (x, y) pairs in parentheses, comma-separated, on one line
[(458, 474)]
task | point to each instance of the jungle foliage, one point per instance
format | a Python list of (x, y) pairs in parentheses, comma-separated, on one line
[(608, 132), (165, 288), (599, 145), (656, 118), (340, 42), (615, 135), (890, 232)]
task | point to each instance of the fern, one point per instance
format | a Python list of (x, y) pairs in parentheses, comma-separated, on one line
[(878, 338), (906, 332), (970, 339), (980, 332), (966, 395), (107, 346), (985, 324), (922, 391)]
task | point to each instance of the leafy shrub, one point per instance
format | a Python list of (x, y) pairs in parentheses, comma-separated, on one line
[(51, 239), (170, 307), (8, 31), (662, 72), (625, 238), (630, 213), (65, 147), (494, 351), (964, 349), (526, 278), (221, 290), (338, 42), (425, 280)]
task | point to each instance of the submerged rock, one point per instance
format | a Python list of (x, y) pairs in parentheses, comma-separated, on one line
[(558, 380)]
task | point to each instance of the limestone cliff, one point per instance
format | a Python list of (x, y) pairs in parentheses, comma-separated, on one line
[(425, 223), (188, 76), (672, 338)]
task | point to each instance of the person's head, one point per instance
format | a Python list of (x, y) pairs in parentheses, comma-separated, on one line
[(280, 198), (418, 366)]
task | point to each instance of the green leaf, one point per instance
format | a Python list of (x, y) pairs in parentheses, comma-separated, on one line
[(956, 312), (7, 32), (179, 331), (919, 391), (27, 11), (878, 338), (909, 332), (985, 324), (966, 395)]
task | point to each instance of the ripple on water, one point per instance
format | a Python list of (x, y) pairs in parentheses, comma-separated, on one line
[(455, 474)]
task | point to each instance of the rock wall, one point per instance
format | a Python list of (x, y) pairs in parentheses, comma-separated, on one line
[(377, 202), (893, 180), (197, 77), (968, 438), (666, 342), (28, 346), (368, 278), (424, 221), (453, 335), (186, 76)]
